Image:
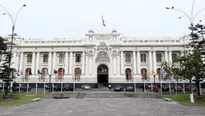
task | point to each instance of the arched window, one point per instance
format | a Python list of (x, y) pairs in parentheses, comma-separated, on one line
[(28, 72), (77, 73), (159, 72), (44, 72), (144, 73), (61, 73), (128, 74)]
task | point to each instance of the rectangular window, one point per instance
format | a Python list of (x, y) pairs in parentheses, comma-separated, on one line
[(29, 58), (159, 57), (77, 57), (45, 58), (174, 57), (61, 58), (128, 57), (143, 58)]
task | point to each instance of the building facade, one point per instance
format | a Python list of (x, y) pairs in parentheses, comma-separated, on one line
[(99, 58)]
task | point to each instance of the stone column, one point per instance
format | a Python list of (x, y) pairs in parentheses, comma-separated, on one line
[(66, 62), (54, 61), (122, 62), (90, 64), (21, 61), (170, 56), (33, 63), (166, 56), (115, 64), (83, 62), (134, 62), (154, 61), (37, 62), (118, 64), (150, 62), (87, 63), (138, 62), (71, 63), (50, 63)]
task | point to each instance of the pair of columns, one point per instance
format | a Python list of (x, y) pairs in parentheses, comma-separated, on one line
[(152, 59)]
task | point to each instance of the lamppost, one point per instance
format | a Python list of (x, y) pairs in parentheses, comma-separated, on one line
[(191, 17), (13, 21)]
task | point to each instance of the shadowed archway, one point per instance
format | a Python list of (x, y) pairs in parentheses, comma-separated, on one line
[(102, 75)]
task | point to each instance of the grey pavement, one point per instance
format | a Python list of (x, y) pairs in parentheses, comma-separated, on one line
[(102, 107)]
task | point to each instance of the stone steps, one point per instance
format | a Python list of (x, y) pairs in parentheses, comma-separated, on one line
[(103, 94)]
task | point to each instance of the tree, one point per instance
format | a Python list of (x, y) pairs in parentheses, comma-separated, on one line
[(6, 73), (198, 44), (170, 71)]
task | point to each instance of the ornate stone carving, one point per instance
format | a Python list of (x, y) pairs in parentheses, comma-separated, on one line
[(102, 57), (90, 53), (115, 53), (102, 47)]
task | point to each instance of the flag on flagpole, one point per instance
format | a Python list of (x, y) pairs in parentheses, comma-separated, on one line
[(39, 72), (103, 21), (47, 72), (55, 71), (153, 72)]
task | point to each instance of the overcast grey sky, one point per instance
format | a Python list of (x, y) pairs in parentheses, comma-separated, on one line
[(73, 18)]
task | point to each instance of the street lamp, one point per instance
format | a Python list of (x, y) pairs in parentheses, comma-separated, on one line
[(13, 21), (191, 17)]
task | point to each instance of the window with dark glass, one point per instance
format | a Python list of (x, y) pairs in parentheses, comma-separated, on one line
[(29, 58), (77, 58), (45, 58), (159, 57), (174, 57), (128, 57), (143, 58), (61, 58)]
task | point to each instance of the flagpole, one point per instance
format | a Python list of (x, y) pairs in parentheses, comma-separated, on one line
[(44, 91), (19, 87), (27, 88), (169, 88), (134, 85), (36, 86), (61, 86), (161, 87)]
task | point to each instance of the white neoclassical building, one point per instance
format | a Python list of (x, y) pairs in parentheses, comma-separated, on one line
[(96, 58)]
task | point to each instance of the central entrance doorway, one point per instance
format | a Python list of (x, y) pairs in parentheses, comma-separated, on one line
[(102, 75)]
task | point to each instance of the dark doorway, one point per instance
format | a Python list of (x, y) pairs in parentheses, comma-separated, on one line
[(102, 75)]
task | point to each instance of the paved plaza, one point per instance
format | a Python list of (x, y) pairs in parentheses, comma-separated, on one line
[(102, 107)]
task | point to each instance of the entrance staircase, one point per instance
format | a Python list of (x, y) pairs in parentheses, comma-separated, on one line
[(104, 94)]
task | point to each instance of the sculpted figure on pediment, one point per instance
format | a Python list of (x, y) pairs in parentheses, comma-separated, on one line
[(102, 47), (102, 57)]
